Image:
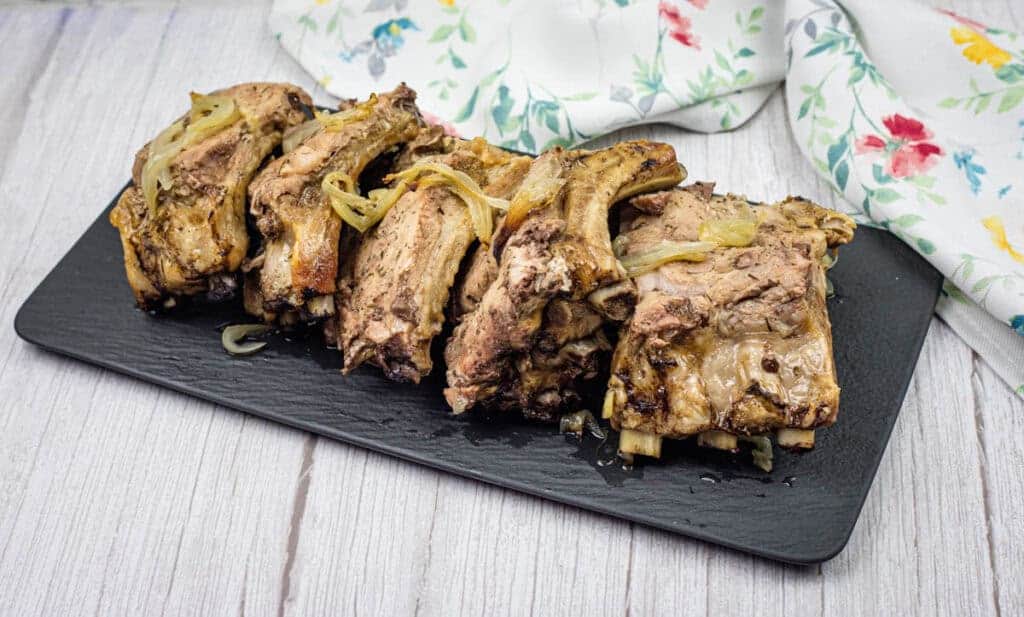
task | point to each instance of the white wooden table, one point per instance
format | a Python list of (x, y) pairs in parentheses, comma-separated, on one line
[(120, 498)]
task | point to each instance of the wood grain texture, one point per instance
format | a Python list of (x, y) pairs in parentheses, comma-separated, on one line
[(119, 498)]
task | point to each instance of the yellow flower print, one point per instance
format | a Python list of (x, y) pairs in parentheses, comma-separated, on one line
[(995, 226), (325, 81), (322, 2), (979, 49), (447, 2)]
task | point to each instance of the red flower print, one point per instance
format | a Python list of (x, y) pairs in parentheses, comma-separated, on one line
[(906, 128), (910, 153), (700, 4), (678, 26)]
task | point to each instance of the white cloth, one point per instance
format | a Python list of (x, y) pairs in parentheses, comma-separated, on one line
[(915, 116)]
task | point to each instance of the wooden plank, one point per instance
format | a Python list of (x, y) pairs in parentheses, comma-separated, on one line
[(33, 34), (999, 421)]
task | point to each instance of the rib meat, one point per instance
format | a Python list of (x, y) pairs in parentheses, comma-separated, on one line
[(294, 275), (392, 293), (536, 330), (195, 239), (740, 342)]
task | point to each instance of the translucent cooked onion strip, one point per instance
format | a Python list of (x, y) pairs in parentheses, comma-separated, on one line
[(339, 120), (734, 231), (360, 212), (162, 150), (540, 186), (665, 252), (299, 135), (232, 336), (208, 116), (479, 203)]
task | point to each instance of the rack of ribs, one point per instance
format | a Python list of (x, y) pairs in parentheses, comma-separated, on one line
[(394, 288), (293, 277), (737, 344), (536, 330), (182, 220)]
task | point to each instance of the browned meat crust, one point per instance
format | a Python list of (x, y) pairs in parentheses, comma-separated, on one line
[(740, 342), (197, 238), (294, 275), (521, 348), (392, 298)]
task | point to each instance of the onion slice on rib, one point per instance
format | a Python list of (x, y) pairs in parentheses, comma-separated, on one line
[(665, 252), (209, 115), (461, 184)]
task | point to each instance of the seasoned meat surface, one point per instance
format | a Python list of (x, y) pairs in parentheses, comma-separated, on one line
[(536, 329), (295, 274), (194, 239), (740, 342), (392, 292), (479, 272)]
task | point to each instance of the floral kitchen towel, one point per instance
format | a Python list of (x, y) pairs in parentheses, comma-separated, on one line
[(915, 116)]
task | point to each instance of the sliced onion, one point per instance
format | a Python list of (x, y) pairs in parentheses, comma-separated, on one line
[(665, 252), (299, 135), (339, 120), (208, 116), (232, 336), (729, 232), (360, 212), (479, 203), (540, 186)]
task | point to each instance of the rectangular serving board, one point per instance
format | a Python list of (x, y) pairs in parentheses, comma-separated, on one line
[(802, 512)]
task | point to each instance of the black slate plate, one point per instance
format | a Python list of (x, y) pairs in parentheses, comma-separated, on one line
[(802, 512)]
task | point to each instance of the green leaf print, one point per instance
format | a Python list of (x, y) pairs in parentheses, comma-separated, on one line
[(885, 195), (842, 174), (527, 140), (836, 152), (457, 62), (442, 33), (501, 111), (1011, 98), (467, 109), (466, 31)]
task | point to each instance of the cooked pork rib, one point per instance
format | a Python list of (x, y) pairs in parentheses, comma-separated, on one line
[(392, 293), (295, 274), (536, 330), (479, 272), (740, 342), (191, 238)]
